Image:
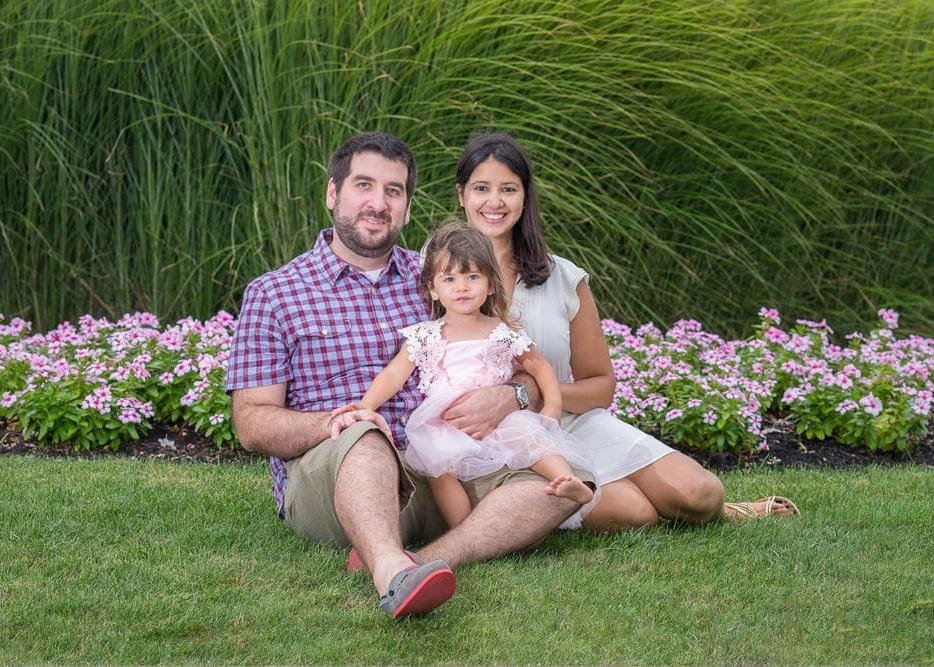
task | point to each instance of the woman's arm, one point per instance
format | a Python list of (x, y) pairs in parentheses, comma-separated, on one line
[(594, 382)]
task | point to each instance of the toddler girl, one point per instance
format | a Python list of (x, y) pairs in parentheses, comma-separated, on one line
[(472, 342)]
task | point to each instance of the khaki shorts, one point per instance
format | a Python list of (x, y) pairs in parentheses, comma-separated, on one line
[(309, 495)]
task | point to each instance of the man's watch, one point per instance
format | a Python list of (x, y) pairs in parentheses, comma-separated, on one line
[(522, 395)]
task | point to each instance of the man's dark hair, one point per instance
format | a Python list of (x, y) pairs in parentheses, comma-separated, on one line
[(386, 145)]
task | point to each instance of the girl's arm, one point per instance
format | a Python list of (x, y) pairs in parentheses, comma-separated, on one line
[(384, 386), (537, 366), (389, 381), (594, 382)]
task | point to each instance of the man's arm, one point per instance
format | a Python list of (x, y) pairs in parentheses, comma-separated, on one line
[(478, 412), (265, 426)]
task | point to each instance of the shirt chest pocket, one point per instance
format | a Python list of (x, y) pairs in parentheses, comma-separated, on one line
[(323, 350)]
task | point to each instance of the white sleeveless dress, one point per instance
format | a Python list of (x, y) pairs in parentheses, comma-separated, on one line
[(616, 449)]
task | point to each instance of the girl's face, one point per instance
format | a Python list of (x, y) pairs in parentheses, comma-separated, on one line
[(493, 199), (462, 292)]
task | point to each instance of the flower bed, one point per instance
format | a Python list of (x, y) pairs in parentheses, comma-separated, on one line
[(104, 384)]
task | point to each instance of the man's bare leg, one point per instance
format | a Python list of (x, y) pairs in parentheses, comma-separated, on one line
[(511, 518), (366, 500)]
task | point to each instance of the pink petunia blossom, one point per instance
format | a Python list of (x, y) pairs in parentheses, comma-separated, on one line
[(770, 314), (890, 317), (673, 414), (871, 404)]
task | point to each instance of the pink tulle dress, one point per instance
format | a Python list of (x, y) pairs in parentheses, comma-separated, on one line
[(448, 369)]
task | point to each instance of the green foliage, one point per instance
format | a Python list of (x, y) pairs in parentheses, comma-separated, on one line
[(699, 160), (702, 391), (103, 384)]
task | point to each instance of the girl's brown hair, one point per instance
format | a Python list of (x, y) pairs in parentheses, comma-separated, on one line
[(458, 246)]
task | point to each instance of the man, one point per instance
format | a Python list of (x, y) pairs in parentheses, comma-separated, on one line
[(310, 337)]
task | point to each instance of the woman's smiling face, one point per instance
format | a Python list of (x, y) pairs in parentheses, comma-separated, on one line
[(492, 198)]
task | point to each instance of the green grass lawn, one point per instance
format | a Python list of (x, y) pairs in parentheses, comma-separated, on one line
[(124, 561)]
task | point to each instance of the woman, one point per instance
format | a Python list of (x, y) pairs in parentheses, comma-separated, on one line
[(641, 478)]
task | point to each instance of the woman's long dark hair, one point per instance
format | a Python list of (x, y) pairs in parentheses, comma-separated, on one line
[(529, 249)]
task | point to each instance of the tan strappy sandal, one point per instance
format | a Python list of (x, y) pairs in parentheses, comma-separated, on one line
[(774, 505)]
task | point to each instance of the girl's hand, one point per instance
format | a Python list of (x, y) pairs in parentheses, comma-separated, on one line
[(342, 418), (551, 414), (350, 407)]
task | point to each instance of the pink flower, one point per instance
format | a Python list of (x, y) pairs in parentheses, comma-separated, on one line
[(890, 317), (851, 371), (792, 394), (710, 417), (103, 392), (843, 381), (770, 314), (225, 319), (817, 326), (129, 416), (799, 343), (871, 404), (673, 414), (846, 406), (184, 366)]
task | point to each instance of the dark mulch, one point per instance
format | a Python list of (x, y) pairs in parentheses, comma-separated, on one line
[(786, 450)]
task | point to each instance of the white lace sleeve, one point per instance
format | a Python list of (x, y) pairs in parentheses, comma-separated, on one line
[(426, 348), (517, 342)]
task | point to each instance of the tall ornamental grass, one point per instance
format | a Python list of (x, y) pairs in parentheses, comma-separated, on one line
[(699, 158)]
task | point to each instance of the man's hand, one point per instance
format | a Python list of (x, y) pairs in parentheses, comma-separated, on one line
[(478, 412), (343, 417)]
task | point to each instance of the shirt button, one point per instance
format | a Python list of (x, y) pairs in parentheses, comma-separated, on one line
[(324, 332), (403, 420), (383, 325)]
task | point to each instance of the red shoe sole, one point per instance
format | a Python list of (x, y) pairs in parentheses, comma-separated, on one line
[(354, 562), (436, 589)]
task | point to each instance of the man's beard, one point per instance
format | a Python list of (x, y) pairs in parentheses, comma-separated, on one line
[(362, 244)]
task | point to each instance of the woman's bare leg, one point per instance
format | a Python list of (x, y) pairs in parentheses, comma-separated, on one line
[(621, 506), (680, 488)]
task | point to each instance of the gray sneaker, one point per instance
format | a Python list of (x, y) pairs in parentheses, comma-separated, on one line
[(419, 589)]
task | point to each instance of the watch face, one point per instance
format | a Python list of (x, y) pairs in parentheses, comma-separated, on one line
[(522, 395)]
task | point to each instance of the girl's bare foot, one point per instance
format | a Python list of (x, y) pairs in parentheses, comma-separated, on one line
[(568, 486)]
